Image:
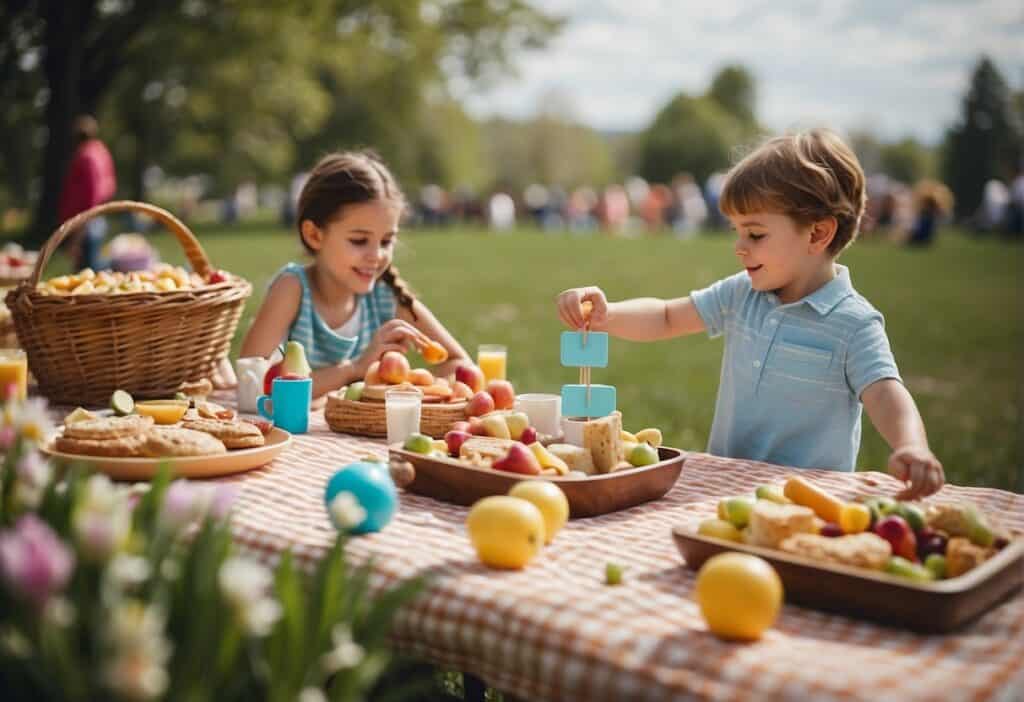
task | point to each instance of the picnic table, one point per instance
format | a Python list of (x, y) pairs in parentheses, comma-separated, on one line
[(556, 631)]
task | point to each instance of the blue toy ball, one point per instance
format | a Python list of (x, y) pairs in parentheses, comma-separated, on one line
[(373, 489)]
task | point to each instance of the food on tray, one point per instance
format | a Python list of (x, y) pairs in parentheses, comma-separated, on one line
[(161, 278), (864, 550), (876, 533), (485, 447), (642, 455), (548, 459), (602, 437), (576, 457), (651, 436), (518, 459)]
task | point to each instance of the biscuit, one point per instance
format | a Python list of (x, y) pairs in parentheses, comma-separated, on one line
[(197, 390), (235, 435), (176, 442), (211, 410), (118, 447), (864, 550), (771, 524), (108, 427)]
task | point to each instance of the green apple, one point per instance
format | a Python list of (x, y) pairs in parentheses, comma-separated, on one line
[(419, 443), (911, 514), (736, 510), (936, 563), (900, 566), (720, 529), (355, 391), (772, 493), (643, 455)]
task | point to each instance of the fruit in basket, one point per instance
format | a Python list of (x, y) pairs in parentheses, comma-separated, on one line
[(519, 459), (902, 567), (471, 375), (394, 368), (421, 376), (503, 393), (495, 426), (549, 499), (361, 498), (372, 376), (461, 391), (122, 403), (806, 494), (454, 439), (936, 563), (295, 360), (736, 510), (480, 404), (739, 595), (517, 423), (506, 532), (419, 443), (650, 436), (355, 391), (643, 454), (772, 493), (720, 529), (163, 411), (854, 518), (217, 276)]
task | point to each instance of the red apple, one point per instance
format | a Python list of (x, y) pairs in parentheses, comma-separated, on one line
[(893, 529), (460, 426), (455, 439), (480, 404), (470, 375), (519, 459), (503, 393), (831, 530), (528, 436), (217, 276), (268, 378), (372, 376), (394, 368)]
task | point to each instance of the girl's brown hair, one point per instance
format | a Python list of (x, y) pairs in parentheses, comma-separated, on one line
[(808, 176), (351, 178)]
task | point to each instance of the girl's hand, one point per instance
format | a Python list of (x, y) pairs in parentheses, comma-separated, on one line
[(394, 335), (571, 307), (917, 465)]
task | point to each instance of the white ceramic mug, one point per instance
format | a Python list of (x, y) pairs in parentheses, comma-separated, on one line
[(572, 428), (544, 411), (250, 372)]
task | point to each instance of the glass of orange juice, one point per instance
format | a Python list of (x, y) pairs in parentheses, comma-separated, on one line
[(14, 369), (493, 361)]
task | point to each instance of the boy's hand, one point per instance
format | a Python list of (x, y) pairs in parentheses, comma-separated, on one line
[(917, 465), (570, 307)]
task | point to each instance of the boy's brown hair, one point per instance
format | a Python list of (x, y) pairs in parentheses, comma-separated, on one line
[(808, 176)]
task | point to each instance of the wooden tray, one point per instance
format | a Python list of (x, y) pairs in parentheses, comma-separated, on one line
[(235, 461), (935, 607), (451, 481)]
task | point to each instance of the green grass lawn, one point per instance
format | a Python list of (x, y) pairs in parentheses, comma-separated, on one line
[(953, 315)]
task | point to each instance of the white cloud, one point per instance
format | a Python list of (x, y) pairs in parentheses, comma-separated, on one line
[(900, 68)]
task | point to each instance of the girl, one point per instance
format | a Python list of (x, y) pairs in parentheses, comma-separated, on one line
[(349, 306)]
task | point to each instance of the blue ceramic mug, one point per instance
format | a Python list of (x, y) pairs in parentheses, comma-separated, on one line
[(291, 400)]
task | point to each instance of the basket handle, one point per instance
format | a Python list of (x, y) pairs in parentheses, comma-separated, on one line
[(193, 249)]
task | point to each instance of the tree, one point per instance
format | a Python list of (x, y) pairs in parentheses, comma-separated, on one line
[(245, 88), (907, 160), (734, 90), (986, 142)]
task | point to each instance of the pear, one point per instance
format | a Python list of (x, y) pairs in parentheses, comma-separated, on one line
[(295, 360)]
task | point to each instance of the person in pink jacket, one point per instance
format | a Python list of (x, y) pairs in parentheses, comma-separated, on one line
[(90, 180)]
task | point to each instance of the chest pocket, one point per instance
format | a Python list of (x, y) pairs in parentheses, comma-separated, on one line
[(798, 373)]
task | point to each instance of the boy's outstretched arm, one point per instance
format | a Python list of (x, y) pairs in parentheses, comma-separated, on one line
[(894, 414), (639, 319)]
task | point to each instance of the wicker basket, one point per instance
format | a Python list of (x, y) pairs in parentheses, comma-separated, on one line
[(83, 347), (368, 419)]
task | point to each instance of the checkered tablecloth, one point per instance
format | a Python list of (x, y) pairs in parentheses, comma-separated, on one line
[(555, 631)]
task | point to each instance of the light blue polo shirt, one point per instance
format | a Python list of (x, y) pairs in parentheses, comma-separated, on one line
[(792, 374)]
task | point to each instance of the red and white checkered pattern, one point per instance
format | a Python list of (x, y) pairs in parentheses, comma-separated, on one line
[(555, 631)]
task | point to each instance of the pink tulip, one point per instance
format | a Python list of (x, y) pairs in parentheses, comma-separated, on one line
[(7, 437), (33, 559)]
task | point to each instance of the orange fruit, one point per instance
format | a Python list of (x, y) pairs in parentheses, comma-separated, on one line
[(434, 353), (163, 411), (739, 595)]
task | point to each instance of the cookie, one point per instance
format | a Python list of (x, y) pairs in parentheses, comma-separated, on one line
[(118, 447), (197, 390), (177, 442), (108, 427), (211, 410), (235, 435)]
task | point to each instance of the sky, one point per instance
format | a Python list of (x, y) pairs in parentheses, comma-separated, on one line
[(896, 67)]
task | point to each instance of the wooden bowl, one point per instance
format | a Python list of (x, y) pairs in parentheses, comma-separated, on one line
[(934, 607), (449, 480)]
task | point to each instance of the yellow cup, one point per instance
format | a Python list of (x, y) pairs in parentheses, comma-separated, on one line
[(493, 361), (14, 370)]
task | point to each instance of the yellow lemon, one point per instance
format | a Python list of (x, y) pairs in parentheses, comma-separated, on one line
[(549, 499), (739, 595), (163, 411), (854, 518), (506, 531), (719, 529)]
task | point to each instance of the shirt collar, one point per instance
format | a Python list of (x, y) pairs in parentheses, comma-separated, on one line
[(824, 299)]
